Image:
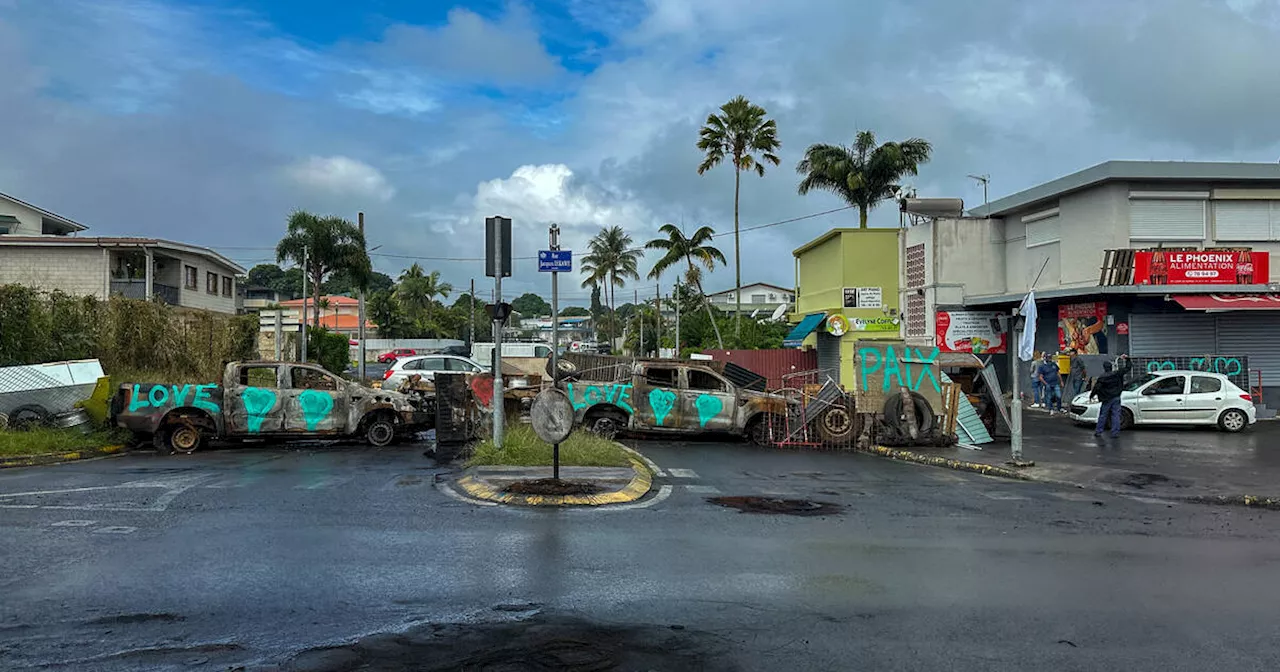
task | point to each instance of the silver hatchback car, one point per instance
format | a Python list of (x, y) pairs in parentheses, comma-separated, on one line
[(1176, 398), (426, 366)]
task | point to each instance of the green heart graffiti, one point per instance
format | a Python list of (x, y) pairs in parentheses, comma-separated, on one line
[(662, 402), (316, 406), (258, 402), (708, 407)]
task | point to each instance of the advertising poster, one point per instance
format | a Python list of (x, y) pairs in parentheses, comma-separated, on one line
[(1081, 326), (863, 297), (969, 331), (1204, 267)]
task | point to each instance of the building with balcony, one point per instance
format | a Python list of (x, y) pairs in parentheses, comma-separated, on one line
[(1169, 262), (41, 249), (760, 297)]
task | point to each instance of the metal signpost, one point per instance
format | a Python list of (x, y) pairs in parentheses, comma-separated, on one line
[(555, 261), (497, 243), (361, 349)]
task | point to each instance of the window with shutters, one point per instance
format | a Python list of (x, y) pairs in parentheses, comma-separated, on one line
[(1246, 220), (1166, 219), (915, 326), (1042, 231)]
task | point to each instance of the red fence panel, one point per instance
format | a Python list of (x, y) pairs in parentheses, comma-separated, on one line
[(772, 364)]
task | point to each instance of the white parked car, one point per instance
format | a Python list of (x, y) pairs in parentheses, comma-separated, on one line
[(426, 366), (1176, 398)]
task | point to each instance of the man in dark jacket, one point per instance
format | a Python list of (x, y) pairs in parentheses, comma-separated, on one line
[(1107, 389)]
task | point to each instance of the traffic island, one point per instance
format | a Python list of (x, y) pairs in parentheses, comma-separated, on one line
[(581, 486)]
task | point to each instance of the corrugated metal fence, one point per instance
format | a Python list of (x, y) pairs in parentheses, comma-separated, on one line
[(772, 364)]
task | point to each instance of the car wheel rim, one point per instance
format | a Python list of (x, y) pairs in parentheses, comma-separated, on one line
[(606, 427), (185, 439), (380, 433), (1233, 421)]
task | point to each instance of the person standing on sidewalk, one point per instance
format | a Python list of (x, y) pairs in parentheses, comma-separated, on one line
[(1051, 383), (1107, 389), (1037, 387), (1078, 373)]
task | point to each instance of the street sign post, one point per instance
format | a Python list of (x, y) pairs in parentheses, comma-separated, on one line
[(497, 247), (555, 260)]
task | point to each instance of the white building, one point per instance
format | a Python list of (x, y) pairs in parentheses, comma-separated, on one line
[(759, 296), (41, 249)]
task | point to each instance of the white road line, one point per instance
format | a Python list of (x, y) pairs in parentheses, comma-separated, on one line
[(1001, 496), (683, 473), (451, 493), (326, 482), (74, 523), (663, 493), (116, 529), (702, 489)]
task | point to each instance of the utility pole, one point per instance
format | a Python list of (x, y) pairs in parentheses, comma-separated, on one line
[(675, 298), (1015, 405), (498, 264), (555, 340), (304, 304), (657, 303), (640, 323), (360, 349)]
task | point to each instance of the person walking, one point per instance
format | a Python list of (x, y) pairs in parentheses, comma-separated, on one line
[(1107, 389), (1037, 387), (1078, 373), (1050, 383)]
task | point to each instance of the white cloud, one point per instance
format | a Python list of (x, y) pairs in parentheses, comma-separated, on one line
[(341, 175)]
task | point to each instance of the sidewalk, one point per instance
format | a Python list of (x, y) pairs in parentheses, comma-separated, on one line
[(1179, 462)]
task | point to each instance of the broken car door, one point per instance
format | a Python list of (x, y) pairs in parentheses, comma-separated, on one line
[(657, 398), (254, 404), (316, 402), (707, 401)]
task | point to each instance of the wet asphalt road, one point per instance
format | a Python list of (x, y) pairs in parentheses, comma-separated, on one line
[(244, 556)]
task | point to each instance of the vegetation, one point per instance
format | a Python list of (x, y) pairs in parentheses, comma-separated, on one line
[(610, 261), (522, 448), (574, 311), (126, 334), (286, 282), (531, 305), (738, 133), (418, 294), (863, 174), (326, 245), (695, 253), (328, 349), (42, 440)]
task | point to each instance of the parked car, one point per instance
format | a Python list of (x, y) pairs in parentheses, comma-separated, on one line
[(1176, 398), (276, 400), (426, 366), (393, 355)]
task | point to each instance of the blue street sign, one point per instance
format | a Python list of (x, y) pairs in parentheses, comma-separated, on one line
[(555, 261)]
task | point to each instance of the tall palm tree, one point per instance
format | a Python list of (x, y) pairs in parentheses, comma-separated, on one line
[(327, 244), (695, 253), (610, 261), (738, 132), (433, 287), (418, 291), (863, 174)]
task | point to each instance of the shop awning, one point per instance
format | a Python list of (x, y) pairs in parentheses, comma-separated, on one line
[(1229, 301), (802, 330)]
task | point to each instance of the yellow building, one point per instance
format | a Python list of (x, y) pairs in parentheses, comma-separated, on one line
[(853, 274)]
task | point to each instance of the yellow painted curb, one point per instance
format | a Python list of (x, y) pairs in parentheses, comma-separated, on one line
[(55, 458), (639, 486), (958, 465)]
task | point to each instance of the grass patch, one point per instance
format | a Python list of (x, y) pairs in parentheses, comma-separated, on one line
[(42, 440), (522, 448)]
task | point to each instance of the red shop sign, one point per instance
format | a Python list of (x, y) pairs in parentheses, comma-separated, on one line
[(1201, 267)]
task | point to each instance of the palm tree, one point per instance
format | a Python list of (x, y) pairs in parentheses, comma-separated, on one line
[(737, 132), (864, 174), (696, 255), (326, 244), (609, 262), (418, 291)]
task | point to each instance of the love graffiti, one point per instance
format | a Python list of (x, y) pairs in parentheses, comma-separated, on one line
[(163, 396), (583, 396)]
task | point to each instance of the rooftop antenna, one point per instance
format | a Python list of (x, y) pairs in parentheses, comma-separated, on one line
[(984, 179)]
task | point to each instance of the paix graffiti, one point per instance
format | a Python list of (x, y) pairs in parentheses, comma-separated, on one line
[(909, 369)]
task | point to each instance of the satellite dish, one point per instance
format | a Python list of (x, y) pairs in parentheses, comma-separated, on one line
[(779, 312), (754, 313)]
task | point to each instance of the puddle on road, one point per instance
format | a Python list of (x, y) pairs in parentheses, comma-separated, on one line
[(789, 507)]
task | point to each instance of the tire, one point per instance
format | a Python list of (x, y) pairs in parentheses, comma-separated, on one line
[(606, 424), (27, 416), (893, 413), (837, 425), (183, 438), (767, 430), (380, 431), (1126, 418), (567, 370), (1233, 420)]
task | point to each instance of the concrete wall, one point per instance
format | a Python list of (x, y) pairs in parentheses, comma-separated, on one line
[(1091, 221), (819, 277), (972, 254), (74, 270)]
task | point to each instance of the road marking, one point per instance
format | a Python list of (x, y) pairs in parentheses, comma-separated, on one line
[(327, 481), (116, 529), (1073, 497), (702, 489), (683, 473), (453, 494), (1150, 500), (663, 493), (74, 523), (172, 486)]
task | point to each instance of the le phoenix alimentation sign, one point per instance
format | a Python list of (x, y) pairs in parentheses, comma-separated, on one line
[(1232, 267)]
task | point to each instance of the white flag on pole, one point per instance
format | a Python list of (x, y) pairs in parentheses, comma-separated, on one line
[(1027, 341)]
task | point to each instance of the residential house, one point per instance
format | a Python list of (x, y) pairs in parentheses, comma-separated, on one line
[(337, 313), (760, 297)]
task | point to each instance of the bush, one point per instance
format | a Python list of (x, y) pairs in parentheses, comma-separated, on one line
[(522, 447), (328, 349)]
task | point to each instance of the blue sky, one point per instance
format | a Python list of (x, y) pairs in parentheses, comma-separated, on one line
[(208, 121)]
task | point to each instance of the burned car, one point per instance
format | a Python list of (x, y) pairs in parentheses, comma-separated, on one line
[(268, 400)]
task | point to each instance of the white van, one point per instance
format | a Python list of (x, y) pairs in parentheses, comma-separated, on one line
[(483, 352)]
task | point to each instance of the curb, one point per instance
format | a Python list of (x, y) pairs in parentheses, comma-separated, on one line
[(641, 482), (958, 465), (55, 458), (1247, 501)]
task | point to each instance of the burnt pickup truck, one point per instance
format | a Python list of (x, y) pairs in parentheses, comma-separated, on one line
[(673, 397), (267, 400)]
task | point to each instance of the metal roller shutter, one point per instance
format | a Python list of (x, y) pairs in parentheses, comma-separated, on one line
[(1171, 219), (1172, 334), (829, 355), (1252, 335), (1242, 220)]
